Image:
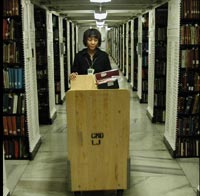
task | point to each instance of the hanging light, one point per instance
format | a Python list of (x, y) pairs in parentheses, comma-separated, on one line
[(100, 23), (100, 15), (100, 1)]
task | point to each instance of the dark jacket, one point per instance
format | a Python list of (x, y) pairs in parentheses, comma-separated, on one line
[(82, 62)]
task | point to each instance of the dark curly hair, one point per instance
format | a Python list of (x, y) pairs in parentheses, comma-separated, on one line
[(92, 33)]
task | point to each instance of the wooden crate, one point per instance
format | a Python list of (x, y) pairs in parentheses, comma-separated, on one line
[(98, 127)]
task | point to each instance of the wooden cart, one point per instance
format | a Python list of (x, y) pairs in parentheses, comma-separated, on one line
[(98, 127)]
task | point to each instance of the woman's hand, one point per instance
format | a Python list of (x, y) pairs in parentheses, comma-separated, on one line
[(72, 76)]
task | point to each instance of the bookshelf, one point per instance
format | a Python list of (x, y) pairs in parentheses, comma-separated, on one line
[(61, 54), (161, 14), (125, 37), (182, 130), (21, 137), (143, 50), (71, 43), (116, 46), (43, 66), (65, 43), (145, 53), (129, 52), (135, 62), (157, 63), (58, 58), (68, 52), (121, 46)]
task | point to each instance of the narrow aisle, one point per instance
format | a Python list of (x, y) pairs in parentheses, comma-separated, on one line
[(153, 171)]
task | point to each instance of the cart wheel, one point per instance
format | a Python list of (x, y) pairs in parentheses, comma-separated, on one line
[(77, 193), (119, 192)]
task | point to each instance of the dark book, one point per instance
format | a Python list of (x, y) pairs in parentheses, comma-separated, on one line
[(16, 148), (14, 127), (196, 104), (10, 103), (5, 102), (6, 148), (189, 102), (18, 124), (9, 120), (5, 125), (108, 83)]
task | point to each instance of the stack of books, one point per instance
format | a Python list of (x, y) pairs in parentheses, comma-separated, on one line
[(107, 79)]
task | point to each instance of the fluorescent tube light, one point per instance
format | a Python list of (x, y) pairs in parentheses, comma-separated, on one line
[(100, 23), (100, 16), (100, 1)]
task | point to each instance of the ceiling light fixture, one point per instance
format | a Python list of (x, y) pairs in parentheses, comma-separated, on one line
[(100, 23), (100, 16), (100, 1)]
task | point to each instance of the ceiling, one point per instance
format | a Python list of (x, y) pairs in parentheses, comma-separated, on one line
[(81, 12)]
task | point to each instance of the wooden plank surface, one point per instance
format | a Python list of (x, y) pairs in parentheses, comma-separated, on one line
[(83, 82), (98, 127)]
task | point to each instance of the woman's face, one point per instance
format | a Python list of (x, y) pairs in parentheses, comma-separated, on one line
[(92, 43)]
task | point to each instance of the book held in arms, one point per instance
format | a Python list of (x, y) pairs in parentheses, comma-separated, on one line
[(107, 79)]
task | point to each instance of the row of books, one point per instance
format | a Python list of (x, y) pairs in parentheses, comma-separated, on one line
[(16, 148), (11, 29), (161, 34), (41, 44), (159, 115), (160, 51), (42, 73), (189, 81), (160, 84), (13, 78), (11, 52), (187, 147), (159, 100), (190, 58), (160, 68), (14, 125), (188, 126), (144, 73), (145, 61), (41, 60), (144, 97), (13, 103), (42, 84), (42, 98), (11, 7), (188, 105), (161, 17), (145, 34), (57, 86), (145, 46), (42, 34), (190, 9), (145, 85), (190, 34)]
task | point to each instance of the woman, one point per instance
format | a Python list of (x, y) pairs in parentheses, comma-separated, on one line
[(90, 59)]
